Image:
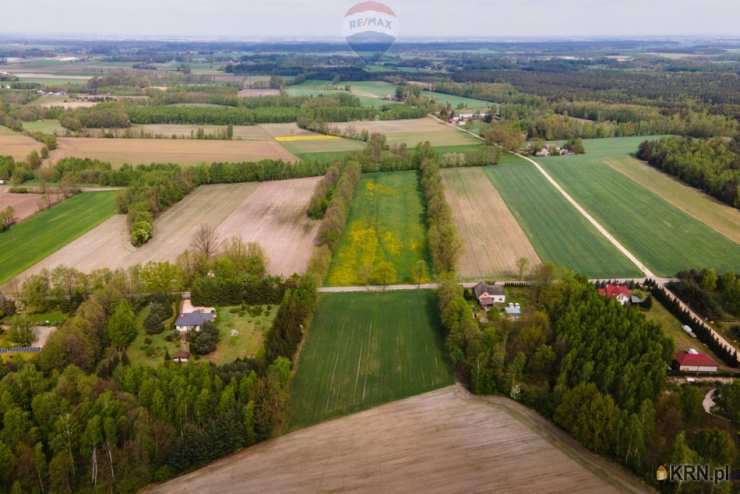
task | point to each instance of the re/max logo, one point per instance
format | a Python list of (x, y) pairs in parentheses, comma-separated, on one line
[(371, 22)]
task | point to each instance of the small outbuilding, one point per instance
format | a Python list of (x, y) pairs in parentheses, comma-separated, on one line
[(513, 311), (693, 361), (181, 357), (488, 295)]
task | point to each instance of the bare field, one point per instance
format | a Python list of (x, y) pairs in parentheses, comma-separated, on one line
[(184, 151), (270, 213), (18, 146), (274, 216), (411, 132), (244, 132), (492, 239), (439, 442), (24, 205), (722, 218), (285, 129)]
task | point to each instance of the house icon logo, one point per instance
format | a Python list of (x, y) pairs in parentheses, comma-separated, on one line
[(661, 474)]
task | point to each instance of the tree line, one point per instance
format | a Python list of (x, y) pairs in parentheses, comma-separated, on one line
[(712, 165)]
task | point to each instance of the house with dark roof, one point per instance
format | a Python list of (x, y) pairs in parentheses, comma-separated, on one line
[(193, 321), (488, 295), (181, 357), (693, 361)]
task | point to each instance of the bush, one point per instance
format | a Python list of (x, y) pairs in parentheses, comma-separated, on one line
[(159, 312), (204, 341)]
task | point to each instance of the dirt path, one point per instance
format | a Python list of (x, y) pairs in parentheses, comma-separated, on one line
[(443, 441)]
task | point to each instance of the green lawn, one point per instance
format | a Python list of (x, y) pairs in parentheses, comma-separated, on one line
[(365, 349), (46, 232), (386, 223), (665, 238), (456, 101), (47, 126), (557, 231), (249, 331)]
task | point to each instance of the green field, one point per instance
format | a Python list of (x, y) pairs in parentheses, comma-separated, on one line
[(370, 93), (47, 126), (557, 231), (324, 157), (665, 238), (312, 88), (386, 223), (456, 101), (46, 232), (365, 349)]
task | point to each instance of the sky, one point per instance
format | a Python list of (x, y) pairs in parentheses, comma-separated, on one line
[(261, 19)]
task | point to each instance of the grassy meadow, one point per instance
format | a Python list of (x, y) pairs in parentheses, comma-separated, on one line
[(365, 349), (665, 238), (30, 241), (557, 231), (386, 223), (457, 101)]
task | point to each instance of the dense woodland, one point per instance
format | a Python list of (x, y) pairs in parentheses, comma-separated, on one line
[(80, 418), (596, 368), (712, 165)]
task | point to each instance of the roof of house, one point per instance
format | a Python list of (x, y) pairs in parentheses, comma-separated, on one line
[(482, 288), (181, 355), (695, 360), (613, 291), (194, 318)]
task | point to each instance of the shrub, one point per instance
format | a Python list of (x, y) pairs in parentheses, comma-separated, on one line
[(159, 312), (204, 341)]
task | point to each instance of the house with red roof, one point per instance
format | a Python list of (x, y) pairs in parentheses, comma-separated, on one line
[(693, 361), (619, 292)]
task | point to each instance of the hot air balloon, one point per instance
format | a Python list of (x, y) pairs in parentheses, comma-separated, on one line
[(370, 29)]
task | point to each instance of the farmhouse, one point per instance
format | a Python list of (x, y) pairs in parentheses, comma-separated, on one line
[(193, 321), (693, 361), (488, 295), (191, 318), (621, 293)]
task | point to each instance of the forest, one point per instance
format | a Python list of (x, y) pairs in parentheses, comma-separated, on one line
[(596, 368), (712, 165), (82, 418)]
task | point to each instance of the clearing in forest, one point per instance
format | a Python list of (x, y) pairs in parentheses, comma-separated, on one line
[(364, 349), (385, 225), (492, 239)]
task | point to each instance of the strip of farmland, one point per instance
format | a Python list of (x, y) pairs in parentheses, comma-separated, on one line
[(492, 239), (663, 237), (557, 231)]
